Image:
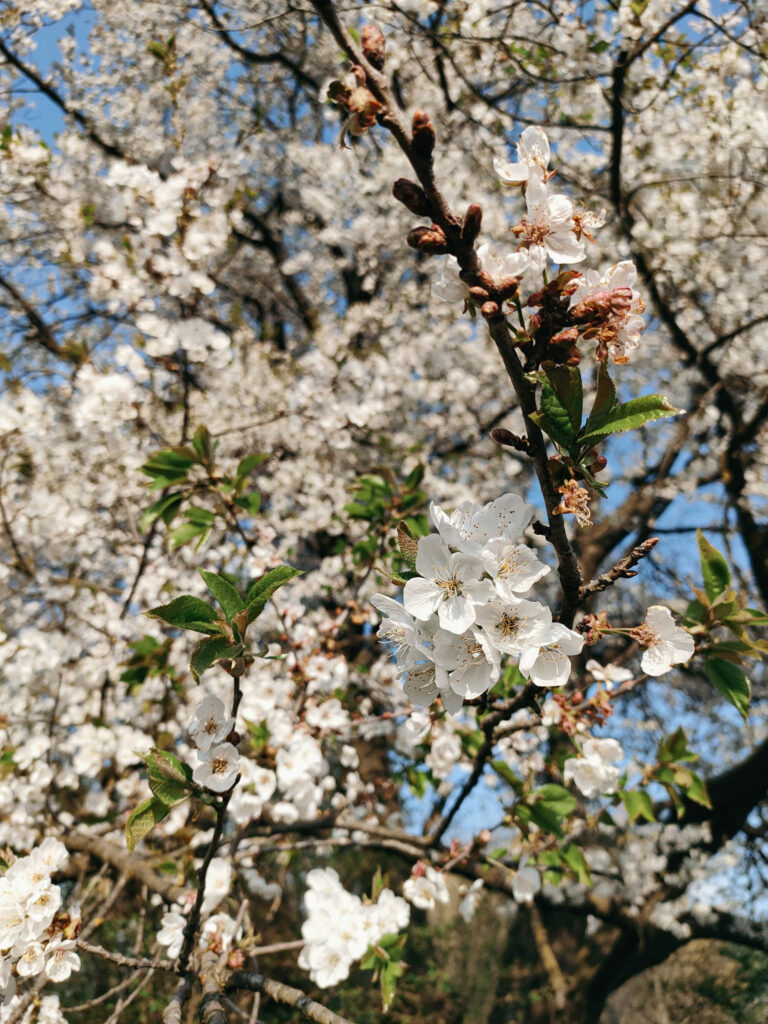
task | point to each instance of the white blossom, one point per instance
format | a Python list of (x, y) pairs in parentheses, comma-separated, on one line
[(426, 888), (532, 158), (210, 724), (218, 768), (665, 643), (595, 772), (546, 661)]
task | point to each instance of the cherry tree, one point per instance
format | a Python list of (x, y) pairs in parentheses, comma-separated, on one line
[(446, 328)]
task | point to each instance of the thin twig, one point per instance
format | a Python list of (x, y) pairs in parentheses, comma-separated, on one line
[(623, 569), (139, 962), (123, 1004), (284, 994)]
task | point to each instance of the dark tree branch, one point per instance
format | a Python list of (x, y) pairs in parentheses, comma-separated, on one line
[(280, 993)]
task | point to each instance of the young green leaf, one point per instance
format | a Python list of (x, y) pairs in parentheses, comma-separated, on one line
[(555, 798), (211, 650), (730, 681), (638, 805), (574, 858), (247, 465), (605, 398), (674, 748), (169, 467), (566, 383), (629, 416), (165, 508), (148, 814), (714, 568), (203, 444), (187, 612), (223, 591), (261, 591), (554, 419)]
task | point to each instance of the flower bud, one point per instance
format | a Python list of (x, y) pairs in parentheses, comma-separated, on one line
[(478, 293), (508, 287), (503, 436), (428, 240), (472, 221), (412, 196), (489, 310), (374, 45), (423, 135)]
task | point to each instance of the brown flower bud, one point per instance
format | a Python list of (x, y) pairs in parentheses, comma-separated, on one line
[(429, 240), (489, 310), (472, 221), (566, 337), (374, 45), (478, 293), (508, 287), (423, 135), (412, 196), (503, 436)]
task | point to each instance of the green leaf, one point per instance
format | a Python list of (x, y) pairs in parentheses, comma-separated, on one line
[(414, 478), (169, 766), (554, 419), (714, 568), (629, 416), (574, 858), (202, 443), (504, 772), (251, 502), (247, 465), (165, 508), (169, 778), (188, 531), (226, 595), (418, 525), (211, 650), (388, 975), (157, 50), (541, 816), (169, 467), (261, 591), (638, 805), (696, 611), (674, 748), (259, 735), (566, 383), (697, 791), (605, 398), (417, 781), (187, 612), (143, 820), (730, 681), (555, 798)]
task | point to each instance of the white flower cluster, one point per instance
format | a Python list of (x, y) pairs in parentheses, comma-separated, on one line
[(551, 230), (340, 927), (465, 609), (595, 772), (219, 761), (426, 888), (28, 906)]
